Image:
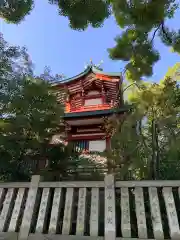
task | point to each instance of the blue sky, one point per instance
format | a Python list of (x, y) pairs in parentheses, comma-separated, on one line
[(51, 42)]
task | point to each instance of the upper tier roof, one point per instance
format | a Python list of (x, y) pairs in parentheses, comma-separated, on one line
[(90, 68)]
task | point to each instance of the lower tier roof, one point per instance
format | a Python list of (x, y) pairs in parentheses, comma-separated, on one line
[(96, 113)]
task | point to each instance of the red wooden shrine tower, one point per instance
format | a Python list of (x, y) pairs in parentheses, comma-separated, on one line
[(90, 98)]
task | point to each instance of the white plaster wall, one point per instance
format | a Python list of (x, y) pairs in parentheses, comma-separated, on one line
[(92, 93), (89, 102), (97, 145)]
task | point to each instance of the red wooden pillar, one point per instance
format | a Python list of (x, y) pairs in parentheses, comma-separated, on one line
[(103, 99), (103, 94)]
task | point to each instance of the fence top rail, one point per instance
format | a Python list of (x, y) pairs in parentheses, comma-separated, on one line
[(95, 184), (100, 184), (75, 184), (148, 183), (14, 184)]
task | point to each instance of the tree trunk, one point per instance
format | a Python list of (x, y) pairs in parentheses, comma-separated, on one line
[(157, 153), (153, 160)]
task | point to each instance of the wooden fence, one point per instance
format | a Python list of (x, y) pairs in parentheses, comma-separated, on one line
[(90, 210)]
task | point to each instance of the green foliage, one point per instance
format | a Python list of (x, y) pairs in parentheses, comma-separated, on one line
[(31, 117), (146, 140), (141, 21), (173, 72), (83, 13), (15, 11), (135, 47), (29, 113), (80, 13)]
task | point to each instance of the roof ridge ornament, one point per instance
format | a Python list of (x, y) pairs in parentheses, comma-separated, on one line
[(91, 64), (98, 66)]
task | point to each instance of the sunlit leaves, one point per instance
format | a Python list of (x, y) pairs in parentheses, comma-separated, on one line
[(173, 72), (155, 106)]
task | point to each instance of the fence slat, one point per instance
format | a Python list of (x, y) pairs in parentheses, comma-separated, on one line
[(171, 213), (30, 207), (42, 216), (81, 212), (94, 215), (2, 191), (6, 210), (125, 213), (155, 213), (110, 224), (68, 211), (2, 194), (55, 210), (17, 210), (140, 212)]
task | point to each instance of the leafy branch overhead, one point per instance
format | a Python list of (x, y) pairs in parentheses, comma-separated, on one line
[(141, 20)]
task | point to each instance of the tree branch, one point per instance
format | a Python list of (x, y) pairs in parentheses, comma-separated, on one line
[(165, 33), (154, 34)]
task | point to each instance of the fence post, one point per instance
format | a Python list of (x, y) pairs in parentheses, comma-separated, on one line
[(110, 208), (29, 208)]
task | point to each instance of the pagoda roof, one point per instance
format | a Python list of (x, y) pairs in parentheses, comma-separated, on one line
[(89, 68), (97, 112)]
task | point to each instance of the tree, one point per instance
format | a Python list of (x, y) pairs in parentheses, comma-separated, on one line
[(146, 140), (141, 21), (29, 112), (30, 120), (48, 76)]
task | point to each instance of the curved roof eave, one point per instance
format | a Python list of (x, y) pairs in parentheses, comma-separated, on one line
[(86, 71)]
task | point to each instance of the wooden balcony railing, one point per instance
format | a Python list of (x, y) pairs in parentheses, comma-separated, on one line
[(69, 109)]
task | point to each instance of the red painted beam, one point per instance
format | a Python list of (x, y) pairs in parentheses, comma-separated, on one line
[(89, 132)]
